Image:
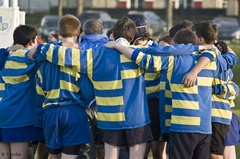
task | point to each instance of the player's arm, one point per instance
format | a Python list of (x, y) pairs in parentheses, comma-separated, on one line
[(228, 90)]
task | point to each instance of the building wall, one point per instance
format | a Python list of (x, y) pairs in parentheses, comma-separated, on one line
[(212, 4), (104, 3), (233, 7), (159, 4)]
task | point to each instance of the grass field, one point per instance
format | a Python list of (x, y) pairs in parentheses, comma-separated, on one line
[(236, 79)]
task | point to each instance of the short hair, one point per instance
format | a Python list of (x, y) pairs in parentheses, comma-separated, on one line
[(92, 26), (181, 25), (185, 36), (207, 30), (166, 38), (23, 34), (54, 34), (69, 26), (124, 28), (109, 32)]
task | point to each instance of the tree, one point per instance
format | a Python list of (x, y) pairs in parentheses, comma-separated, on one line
[(79, 7), (59, 8)]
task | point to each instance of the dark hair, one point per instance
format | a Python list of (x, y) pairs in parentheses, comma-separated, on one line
[(181, 25), (207, 30), (69, 26), (23, 34), (166, 38), (142, 33), (109, 32), (54, 34), (124, 28), (185, 36), (92, 26)]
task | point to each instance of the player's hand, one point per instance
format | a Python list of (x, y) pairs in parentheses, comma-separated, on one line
[(111, 45), (32, 52), (15, 47), (189, 79)]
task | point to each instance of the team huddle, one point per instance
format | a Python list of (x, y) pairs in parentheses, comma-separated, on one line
[(118, 91)]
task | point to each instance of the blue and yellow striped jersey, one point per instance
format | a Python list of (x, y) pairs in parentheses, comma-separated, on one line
[(118, 83), (3, 57), (191, 107), (18, 92)]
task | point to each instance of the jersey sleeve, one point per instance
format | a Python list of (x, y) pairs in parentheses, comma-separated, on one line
[(3, 57)]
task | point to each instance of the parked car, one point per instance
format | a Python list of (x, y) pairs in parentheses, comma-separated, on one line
[(226, 27), (108, 24), (48, 24), (100, 15), (155, 24)]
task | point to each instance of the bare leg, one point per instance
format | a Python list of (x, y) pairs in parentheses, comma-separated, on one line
[(147, 150), (214, 156), (229, 152), (19, 150), (137, 151), (42, 152), (111, 152), (5, 150), (157, 149), (66, 156), (30, 153), (58, 156)]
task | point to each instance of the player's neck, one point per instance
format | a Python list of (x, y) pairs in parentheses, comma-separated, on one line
[(69, 40)]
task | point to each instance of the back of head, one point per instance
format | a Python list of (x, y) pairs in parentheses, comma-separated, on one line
[(208, 31), (69, 26), (23, 34), (124, 28), (92, 26), (141, 30), (181, 25), (185, 36), (166, 38)]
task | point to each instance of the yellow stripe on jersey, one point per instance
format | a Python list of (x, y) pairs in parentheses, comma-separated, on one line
[(47, 104), (69, 86), (185, 104), (133, 73), (19, 53), (53, 94), (2, 86), (61, 60), (162, 85), (210, 52), (108, 85), (147, 64), (139, 58), (71, 72), (0, 99), (151, 76), (218, 81), (109, 101), (182, 89), (153, 89), (204, 81), (39, 76), (168, 108), (76, 58), (123, 59), (232, 92), (221, 113), (39, 90), (111, 117), (185, 120), (50, 52), (15, 65), (215, 98), (170, 67), (157, 63), (15, 79), (89, 63), (168, 122), (168, 94), (211, 66)]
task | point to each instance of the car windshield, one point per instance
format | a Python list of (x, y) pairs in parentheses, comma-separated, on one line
[(108, 24), (89, 16), (139, 16), (51, 23), (105, 16)]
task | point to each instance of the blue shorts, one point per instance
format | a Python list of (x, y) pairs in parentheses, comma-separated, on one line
[(233, 136), (21, 134), (39, 136), (66, 126)]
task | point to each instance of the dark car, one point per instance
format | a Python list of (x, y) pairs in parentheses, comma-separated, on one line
[(226, 27), (48, 24), (155, 24), (99, 15)]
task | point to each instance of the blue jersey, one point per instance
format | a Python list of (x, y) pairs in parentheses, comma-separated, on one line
[(191, 107), (18, 92), (93, 40), (3, 57), (118, 83)]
